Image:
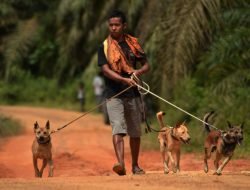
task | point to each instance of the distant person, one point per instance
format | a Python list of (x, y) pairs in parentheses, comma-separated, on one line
[(81, 96), (98, 85)]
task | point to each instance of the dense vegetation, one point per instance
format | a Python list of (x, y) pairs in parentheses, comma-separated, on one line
[(198, 52), (9, 127)]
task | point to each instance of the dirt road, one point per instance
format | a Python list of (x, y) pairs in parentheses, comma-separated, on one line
[(83, 158)]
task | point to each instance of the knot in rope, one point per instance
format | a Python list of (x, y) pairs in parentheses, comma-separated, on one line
[(139, 83)]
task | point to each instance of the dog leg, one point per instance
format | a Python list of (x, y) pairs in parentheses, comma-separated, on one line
[(163, 152), (51, 168), (43, 166), (219, 170), (35, 167), (178, 156), (166, 171), (172, 161), (217, 160), (207, 155)]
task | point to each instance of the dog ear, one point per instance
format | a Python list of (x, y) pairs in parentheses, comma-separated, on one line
[(184, 122), (225, 134), (47, 125), (36, 126), (242, 125), (229, 124), (177, 125)]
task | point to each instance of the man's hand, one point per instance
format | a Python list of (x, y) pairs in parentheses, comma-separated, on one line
[(137, 73), (129, 81)]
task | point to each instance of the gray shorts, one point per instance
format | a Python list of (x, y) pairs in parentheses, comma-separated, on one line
[(125, 116)]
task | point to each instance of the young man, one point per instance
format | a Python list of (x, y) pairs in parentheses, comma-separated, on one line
[(118, 57)]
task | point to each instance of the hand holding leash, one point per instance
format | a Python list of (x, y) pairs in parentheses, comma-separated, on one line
[(139, 83)]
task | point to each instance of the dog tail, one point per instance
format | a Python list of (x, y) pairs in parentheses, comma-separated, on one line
[(159, 118), (206, 117)]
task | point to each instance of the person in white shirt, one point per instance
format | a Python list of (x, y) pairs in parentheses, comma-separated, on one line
[(98, 89), (81, 96)]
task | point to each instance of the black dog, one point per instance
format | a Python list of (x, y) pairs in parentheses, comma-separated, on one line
[(222, 142)]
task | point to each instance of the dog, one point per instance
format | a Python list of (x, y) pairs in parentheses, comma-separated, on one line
[(223, 143), (41, 149), (170, 139)]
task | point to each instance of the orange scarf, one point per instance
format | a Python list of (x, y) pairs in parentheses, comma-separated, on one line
[(115, 56)]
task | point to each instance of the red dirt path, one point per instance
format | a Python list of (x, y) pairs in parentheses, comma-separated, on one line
[(83, 157)]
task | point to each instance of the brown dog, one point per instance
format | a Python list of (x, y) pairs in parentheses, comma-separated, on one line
[(41, 149), (223, 143), (170, 139)]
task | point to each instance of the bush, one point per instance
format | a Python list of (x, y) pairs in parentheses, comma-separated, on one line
[(9, 127), (39, 91)]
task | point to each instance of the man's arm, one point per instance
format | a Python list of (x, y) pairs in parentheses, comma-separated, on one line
[(144, 69), (116, 77)]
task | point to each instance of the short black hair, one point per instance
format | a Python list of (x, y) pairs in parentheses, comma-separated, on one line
[(118, 13)]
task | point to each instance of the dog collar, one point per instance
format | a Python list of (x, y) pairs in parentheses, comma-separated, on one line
[(227, 142), (45, 142), (172, 134)]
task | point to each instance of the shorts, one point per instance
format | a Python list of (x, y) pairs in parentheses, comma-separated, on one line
[(125, 115)]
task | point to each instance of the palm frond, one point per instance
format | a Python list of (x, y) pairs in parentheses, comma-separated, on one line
[(233, 18), (149, 20), (19, 45), (74, 21), (227, 55), (8, 16), (184, 30), (135, 8), (237, 78), (187, 28)]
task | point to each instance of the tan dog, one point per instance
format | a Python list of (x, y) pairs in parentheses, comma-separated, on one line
[(223, 143), (170, 139), (41, 149)]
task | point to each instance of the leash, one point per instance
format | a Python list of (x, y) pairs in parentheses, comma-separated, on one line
[(90, 110), (148, 128), (146, 91)]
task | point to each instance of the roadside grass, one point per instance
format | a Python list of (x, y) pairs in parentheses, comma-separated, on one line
[(9, 127)]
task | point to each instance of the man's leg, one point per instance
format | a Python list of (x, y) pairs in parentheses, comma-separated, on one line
[(115, 110), (135, 149), (118, 143), (133, 119)]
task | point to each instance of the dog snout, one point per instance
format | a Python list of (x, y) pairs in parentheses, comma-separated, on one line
[(185, 140), (188, 140), (240, 138), (41, 138)]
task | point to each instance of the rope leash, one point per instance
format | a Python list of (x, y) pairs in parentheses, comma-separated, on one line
[(90, 110), (143, 91), (146, 91)]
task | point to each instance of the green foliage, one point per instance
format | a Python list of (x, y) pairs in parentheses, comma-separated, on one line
[(38, 91), (198, 52), (8, 17), (9, 127), (87, 78)]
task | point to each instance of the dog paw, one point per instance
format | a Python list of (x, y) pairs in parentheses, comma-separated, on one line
[(175, 170), (217, 173), (166, 171), (205, 169)]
